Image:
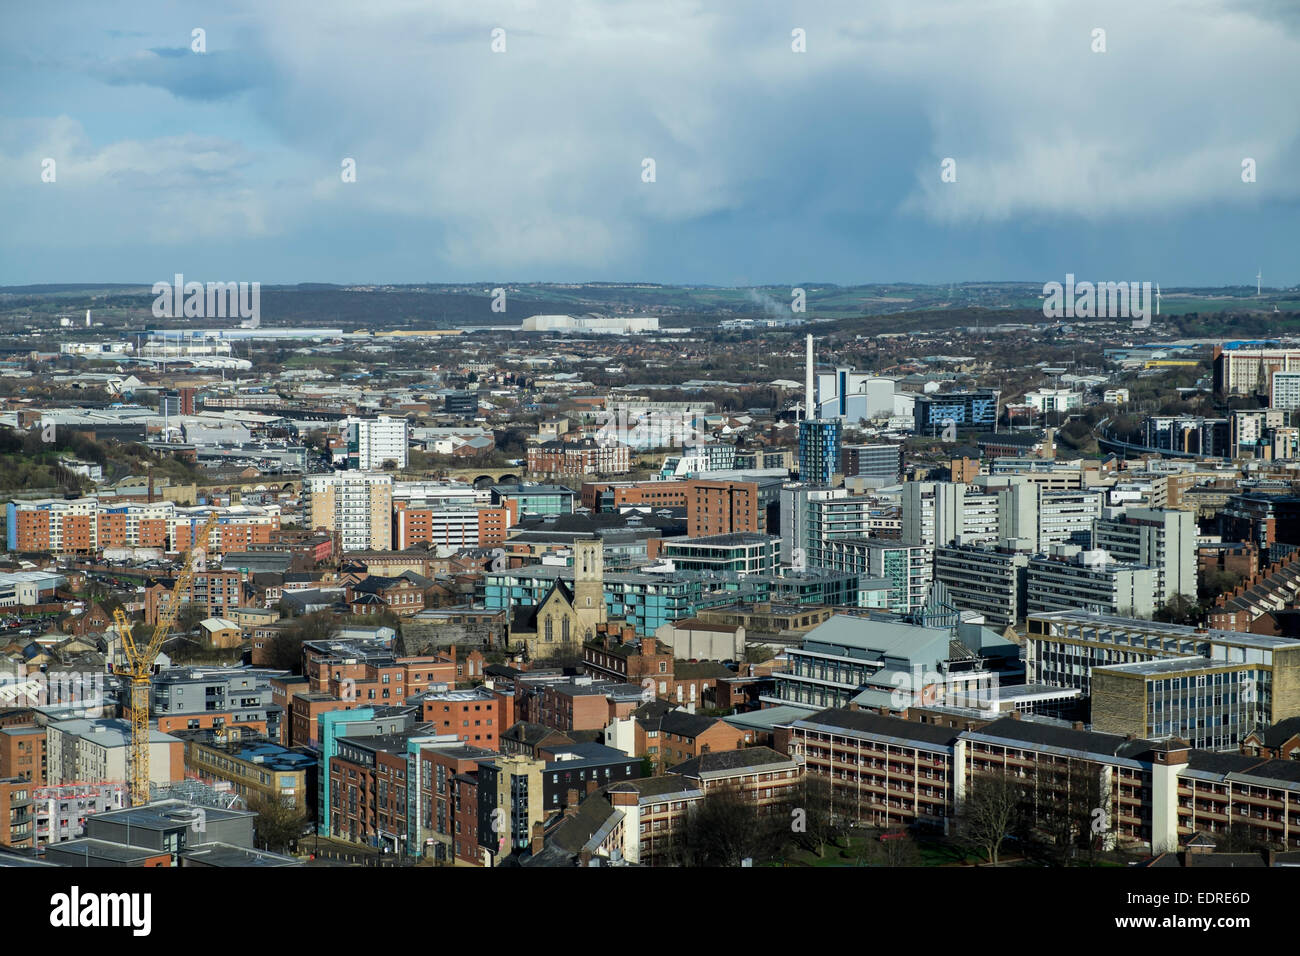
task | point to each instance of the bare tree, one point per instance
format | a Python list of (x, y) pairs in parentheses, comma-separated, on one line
[(893, 849), (810, 808), (1071, 808), (277, 825), (286, 647), (727, 827), (989, 813)]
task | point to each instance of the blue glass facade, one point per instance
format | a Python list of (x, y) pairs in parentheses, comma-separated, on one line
[(647, 601), (819, 450)]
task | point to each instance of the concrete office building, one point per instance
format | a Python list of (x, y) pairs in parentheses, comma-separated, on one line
[(992, 582), (829, 519), (1063, 648), (461, 404), (1212, 705), (877, 662), (1160, 538), (883, 462), (965, 410), (1069, 578), (1285, 390), (1046, 400), (1248, 368), (995, 508), (795, 499)]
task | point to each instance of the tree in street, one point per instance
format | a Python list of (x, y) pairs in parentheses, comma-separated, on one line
[(277, 825)]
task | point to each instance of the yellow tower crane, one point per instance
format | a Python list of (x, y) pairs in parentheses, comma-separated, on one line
[(139, 662)]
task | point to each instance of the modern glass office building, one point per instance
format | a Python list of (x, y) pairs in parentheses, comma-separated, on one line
[(649, 600)]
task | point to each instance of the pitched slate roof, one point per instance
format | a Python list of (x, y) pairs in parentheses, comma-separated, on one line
[(875, 724), (1065, 737), (670, 720), (1280, 733), (584, 829), (726, 761), (527, 732)]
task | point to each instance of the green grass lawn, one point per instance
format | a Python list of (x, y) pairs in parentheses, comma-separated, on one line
[(314, 361), (850, 853)]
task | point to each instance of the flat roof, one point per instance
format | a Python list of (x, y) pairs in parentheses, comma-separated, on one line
[(225, 854), (1173, 665), (103, 850), (166, 814), (1172, 630)]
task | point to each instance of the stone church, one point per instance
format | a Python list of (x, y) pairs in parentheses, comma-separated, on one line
[(567, 616)]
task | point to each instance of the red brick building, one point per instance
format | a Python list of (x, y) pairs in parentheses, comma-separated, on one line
[(368, 790), (476, 716), (494, 524), (618, 655), (614, 495), (449, 801), (375, 594), (574, 459), (304, 711), (218, 592), (723, 507), (17, 814), (22, 753)]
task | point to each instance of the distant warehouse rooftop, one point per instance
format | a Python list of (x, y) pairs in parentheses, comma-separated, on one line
[(597, 324)]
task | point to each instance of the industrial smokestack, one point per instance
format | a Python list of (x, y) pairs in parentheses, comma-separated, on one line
[(87, 318), (808, 411)]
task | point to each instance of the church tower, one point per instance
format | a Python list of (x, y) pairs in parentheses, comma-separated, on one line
[(589, 585)]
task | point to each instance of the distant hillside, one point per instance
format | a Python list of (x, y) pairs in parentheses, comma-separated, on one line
[(446, 305)]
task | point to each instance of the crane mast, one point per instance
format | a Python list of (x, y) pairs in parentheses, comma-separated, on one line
[(138, 668)]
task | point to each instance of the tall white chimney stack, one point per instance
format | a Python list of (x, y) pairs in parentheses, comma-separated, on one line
[(87, 318), (808, 409)]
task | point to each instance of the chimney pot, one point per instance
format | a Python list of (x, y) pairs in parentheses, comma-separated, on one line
[(539, 841)]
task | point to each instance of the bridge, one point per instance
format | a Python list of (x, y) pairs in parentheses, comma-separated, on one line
[(482, 477), (1129, 449), (276, 484)]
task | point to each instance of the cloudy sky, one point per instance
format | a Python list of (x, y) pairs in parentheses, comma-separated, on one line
[(770, 166)]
